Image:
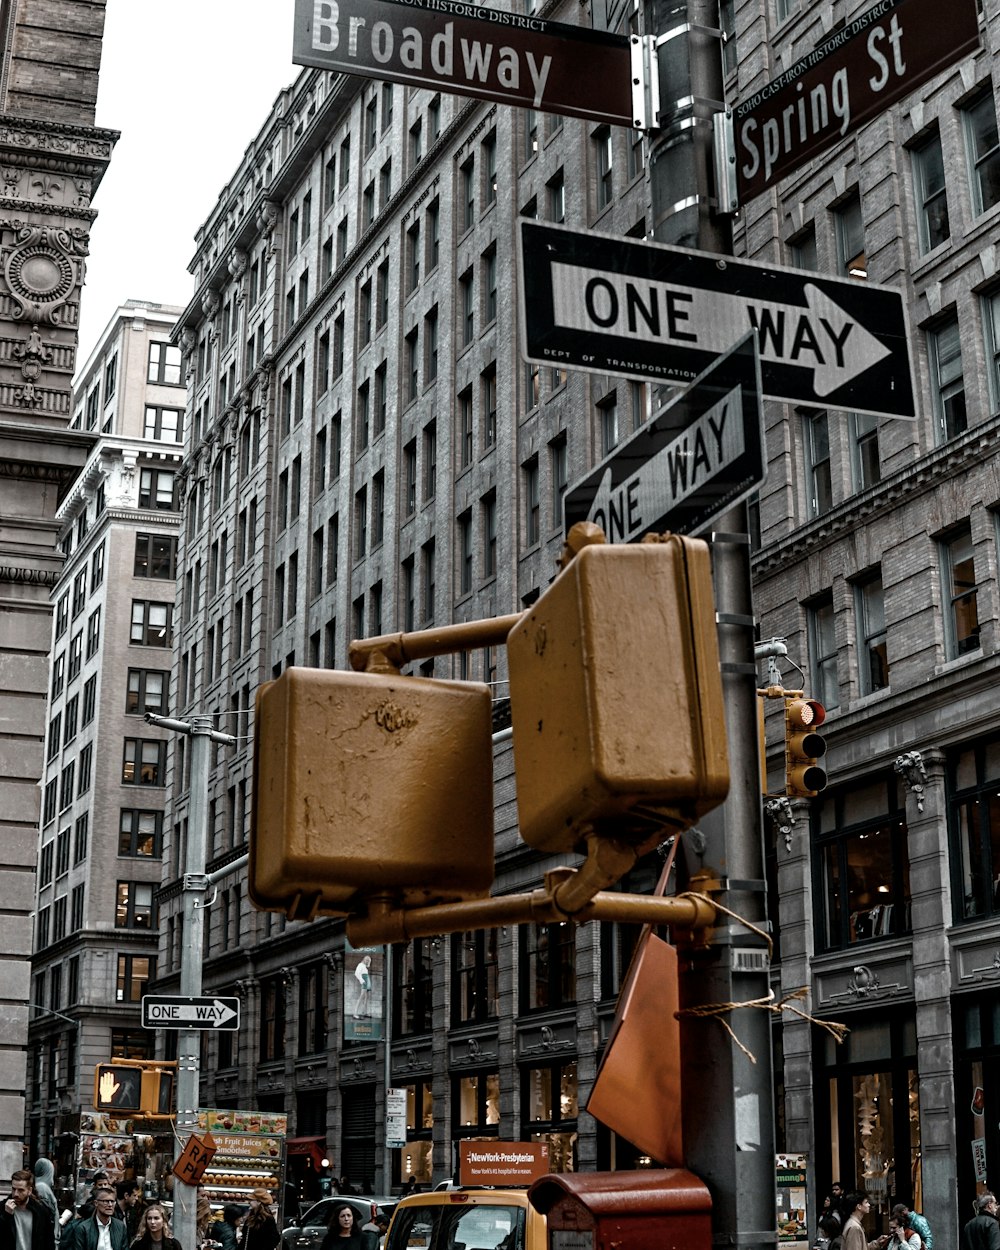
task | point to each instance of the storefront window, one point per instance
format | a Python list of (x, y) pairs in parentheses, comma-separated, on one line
[(476, 1105), (415, 1158), (413, 986), (869, 1111), (548, 966), (973, 777), (549, 1097), (863, 867), (474, 985), (977, 1092)]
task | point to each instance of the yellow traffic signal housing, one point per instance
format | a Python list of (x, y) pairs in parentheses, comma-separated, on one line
[(367, 784), (616, 696), (133, 1088), (804, 778)]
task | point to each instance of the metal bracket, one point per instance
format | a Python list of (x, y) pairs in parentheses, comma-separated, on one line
[(724, 153), (645, 82), (195, 881), (687, 28)]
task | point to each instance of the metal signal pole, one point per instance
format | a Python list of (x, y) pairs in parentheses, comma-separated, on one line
[(195, 884), (728, 1114)]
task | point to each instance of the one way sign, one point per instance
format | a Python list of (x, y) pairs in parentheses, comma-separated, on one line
[(612, 305), (176, 1011), (700, 455)]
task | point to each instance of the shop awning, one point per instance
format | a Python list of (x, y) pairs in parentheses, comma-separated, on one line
[(315, 1147)]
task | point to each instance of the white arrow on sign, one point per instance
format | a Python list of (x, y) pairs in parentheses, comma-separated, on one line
[(675, 472), (213, 1013), (820, 336)]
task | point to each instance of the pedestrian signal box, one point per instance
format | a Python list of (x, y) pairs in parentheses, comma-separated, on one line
[(133, 1088), (370, 785), (616, 697)]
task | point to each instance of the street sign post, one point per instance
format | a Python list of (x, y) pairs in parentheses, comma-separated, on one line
[(607, 304), (469, 50), (699, 456), (870, 63), (180, 1011)]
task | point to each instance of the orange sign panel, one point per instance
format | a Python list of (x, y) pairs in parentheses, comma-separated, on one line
[(504, 1163), (195, 1158)]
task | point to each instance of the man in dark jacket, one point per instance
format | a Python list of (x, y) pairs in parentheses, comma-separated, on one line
[(25, 1223), (982, 1232), (101, 1231)]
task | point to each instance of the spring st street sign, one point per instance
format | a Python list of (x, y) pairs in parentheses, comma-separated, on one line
[(469, 50), (859, 71), (608, 304)]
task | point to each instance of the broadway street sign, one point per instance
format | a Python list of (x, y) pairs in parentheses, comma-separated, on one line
[(870, 63), (171, 1011), (607, 304), (701, 455), (490, 54)]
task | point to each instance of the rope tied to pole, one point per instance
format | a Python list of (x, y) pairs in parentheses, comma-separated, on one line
[(716, 1011)]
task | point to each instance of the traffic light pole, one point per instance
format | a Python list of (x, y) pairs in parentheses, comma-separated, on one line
[(727, 1099), (195, 883)]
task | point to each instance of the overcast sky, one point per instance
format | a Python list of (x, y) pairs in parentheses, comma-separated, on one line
[(188, 83)]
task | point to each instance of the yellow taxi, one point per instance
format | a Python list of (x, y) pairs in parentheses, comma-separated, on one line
[(467, 1219)]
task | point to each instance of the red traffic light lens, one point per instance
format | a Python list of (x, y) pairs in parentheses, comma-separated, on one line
[(818, 712)]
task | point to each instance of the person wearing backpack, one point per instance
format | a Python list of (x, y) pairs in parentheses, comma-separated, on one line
[(911, 1219)]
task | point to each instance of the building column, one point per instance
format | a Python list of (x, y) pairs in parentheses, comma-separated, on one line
[(923, 774), (293, 987), (789, 821), (249, 991)]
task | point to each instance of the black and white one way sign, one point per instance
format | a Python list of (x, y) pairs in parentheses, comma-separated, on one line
[(612, 305), (699, 456), (172, 1011)]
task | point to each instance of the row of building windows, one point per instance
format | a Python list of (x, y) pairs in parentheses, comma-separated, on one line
[(960, 613), (163, 368), (861, 857)]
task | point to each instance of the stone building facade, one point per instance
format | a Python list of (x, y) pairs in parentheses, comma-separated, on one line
[(104, 768), (52, 158), (365, 450)]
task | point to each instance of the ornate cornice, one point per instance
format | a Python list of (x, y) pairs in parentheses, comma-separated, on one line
[(11, 574), (58, 138), (979, 444), (25, 471)]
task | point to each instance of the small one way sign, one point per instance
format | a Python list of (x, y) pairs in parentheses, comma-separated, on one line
[(608, 304), (699, 456), (178, 1011)]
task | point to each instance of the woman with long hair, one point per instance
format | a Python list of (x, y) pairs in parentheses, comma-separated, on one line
[(344, 1231), (153, 1231), (260, 1232)]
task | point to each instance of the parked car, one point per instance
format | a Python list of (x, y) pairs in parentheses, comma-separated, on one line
[(308, 1233), (477, 1219)]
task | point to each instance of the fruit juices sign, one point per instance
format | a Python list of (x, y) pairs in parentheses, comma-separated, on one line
[(363, 972), (248, 1156)]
